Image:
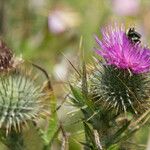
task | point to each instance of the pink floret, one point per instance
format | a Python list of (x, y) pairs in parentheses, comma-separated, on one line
[(118, 50)]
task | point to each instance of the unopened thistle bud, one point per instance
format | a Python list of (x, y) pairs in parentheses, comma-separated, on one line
[(21, 100)]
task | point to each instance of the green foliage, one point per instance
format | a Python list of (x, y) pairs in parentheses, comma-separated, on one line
[(52, 131), (114, 147), (104, 127), (14, 141), (24, 26)]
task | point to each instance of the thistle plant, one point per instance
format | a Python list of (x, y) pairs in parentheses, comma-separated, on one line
[(21, 101), (113, 95), (123, 83), (22, 97)]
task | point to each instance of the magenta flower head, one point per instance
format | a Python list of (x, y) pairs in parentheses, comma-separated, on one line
[(119, 50), (122, 83)]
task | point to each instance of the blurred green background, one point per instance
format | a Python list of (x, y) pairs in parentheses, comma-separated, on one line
[(49, 31)]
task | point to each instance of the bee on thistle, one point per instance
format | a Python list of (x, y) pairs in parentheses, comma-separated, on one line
[(133, 35), (113, 84)]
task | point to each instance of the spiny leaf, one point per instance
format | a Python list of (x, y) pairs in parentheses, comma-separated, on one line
[(89, 134), (53, 128), (84, 78), (77, 95)]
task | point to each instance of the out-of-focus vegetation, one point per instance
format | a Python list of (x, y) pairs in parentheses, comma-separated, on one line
[(48, 32)]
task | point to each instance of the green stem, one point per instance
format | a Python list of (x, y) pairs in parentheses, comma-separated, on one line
[(14, 141), (53, 129), (46, 147), (87, 142)]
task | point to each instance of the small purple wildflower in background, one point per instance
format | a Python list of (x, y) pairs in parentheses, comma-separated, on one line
[(118, 50), (62, 19), (126, 7)]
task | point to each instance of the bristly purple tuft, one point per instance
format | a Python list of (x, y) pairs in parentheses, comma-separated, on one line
[(118, 50)]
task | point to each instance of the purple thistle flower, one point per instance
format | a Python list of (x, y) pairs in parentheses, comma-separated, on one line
[(118, 50)]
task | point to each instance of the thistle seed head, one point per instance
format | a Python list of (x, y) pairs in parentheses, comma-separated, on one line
[(6, 56)]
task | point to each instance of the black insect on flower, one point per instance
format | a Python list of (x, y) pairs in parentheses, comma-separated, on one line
[(133, 35)]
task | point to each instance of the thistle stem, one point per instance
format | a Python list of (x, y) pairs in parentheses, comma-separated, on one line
[(86, 140), (14, 141), (97, 140)]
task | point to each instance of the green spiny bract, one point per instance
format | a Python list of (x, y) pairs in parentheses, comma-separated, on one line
[(120, 89), (21, 100), (89, 95)]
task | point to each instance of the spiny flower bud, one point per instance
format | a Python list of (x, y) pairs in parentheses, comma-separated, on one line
[(21, 100)]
